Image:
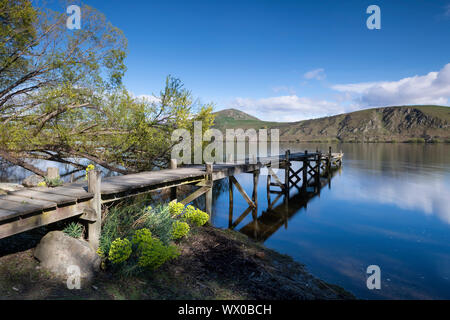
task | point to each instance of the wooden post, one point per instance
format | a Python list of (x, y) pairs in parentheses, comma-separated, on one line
[(52, 173), (173, 190), (230, 158), (317, 178), (230, 190), (286, 172), (95, 228), (286, 210), (208, 195), (268, 185), (255, 187), (305, 171)]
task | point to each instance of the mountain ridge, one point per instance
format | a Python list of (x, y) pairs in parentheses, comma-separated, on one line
[(418, 123)]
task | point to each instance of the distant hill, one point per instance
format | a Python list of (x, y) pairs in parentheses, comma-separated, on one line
[(388, 124), (233, 114)]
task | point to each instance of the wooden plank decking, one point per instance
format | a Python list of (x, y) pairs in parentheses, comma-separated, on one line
[(29, 208)]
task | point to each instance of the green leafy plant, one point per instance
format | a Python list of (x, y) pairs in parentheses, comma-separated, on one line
[(137, 238), (120, 250), (141, 236), (153, 253), (74, 230), (55, 182), (179, 229), (195, 216), (176, 208)]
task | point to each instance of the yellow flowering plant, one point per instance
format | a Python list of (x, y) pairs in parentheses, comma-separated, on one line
[(195, 216), (120, 250), (179, 229), (89, 168), (175, 208)]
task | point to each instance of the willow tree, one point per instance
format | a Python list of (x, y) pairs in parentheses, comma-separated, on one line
[(61, 96)]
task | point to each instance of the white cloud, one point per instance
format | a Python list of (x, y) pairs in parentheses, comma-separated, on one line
[(287, 108), (432, 88), (149, 98), (317, 74), (278, 89)]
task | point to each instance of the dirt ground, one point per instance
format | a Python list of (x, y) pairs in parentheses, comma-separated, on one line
[(214, 264)]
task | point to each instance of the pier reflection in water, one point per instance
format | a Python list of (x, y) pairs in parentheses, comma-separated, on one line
[(281, 207)]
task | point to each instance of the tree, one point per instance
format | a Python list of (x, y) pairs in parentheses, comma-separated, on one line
[(61, 96)]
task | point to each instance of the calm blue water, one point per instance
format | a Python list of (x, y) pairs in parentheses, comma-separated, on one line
[(388, 206)]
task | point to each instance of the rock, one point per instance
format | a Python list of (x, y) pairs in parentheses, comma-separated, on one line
[(57, 251), (32, 181), (5, 187)]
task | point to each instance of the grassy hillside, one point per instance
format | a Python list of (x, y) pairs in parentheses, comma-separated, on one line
[(389, 124)]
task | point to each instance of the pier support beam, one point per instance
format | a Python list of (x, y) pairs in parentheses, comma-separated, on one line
[(255, 187), (209, 195), (305, 171), (230, 192), (95, 227), (286, 172), (173, 190)]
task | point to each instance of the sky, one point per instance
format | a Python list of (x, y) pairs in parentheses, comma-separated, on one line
[(288, 60)]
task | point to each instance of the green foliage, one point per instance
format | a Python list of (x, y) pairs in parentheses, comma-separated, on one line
[(55, 182), (176, 208), (74, 230), (147, 235), (120, 250), (195, 216), (416, 140), (61, 96), (152, 253), (179, 229), (141, 236)]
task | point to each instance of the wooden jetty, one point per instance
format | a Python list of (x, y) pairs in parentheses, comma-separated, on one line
[(31, 208), (277, 214)]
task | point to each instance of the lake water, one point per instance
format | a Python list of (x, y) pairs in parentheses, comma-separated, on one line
[(389, 206)]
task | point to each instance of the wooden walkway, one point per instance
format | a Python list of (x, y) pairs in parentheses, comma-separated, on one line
[(31, 208)]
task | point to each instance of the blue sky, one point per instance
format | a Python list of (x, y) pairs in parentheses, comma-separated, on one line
[(288, 60)]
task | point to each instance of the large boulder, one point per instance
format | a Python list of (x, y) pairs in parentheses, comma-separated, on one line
[(32, 181), (57, 251)]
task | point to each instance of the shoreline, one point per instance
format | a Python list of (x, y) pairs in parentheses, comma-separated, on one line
[(214, 264)]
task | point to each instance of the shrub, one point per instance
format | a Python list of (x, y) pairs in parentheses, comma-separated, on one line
[(55, 182), (141, 236), (152, 254), (74, 230), (120, 250), (175, 208), (195, 216), (179, 229), (136, 237)]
